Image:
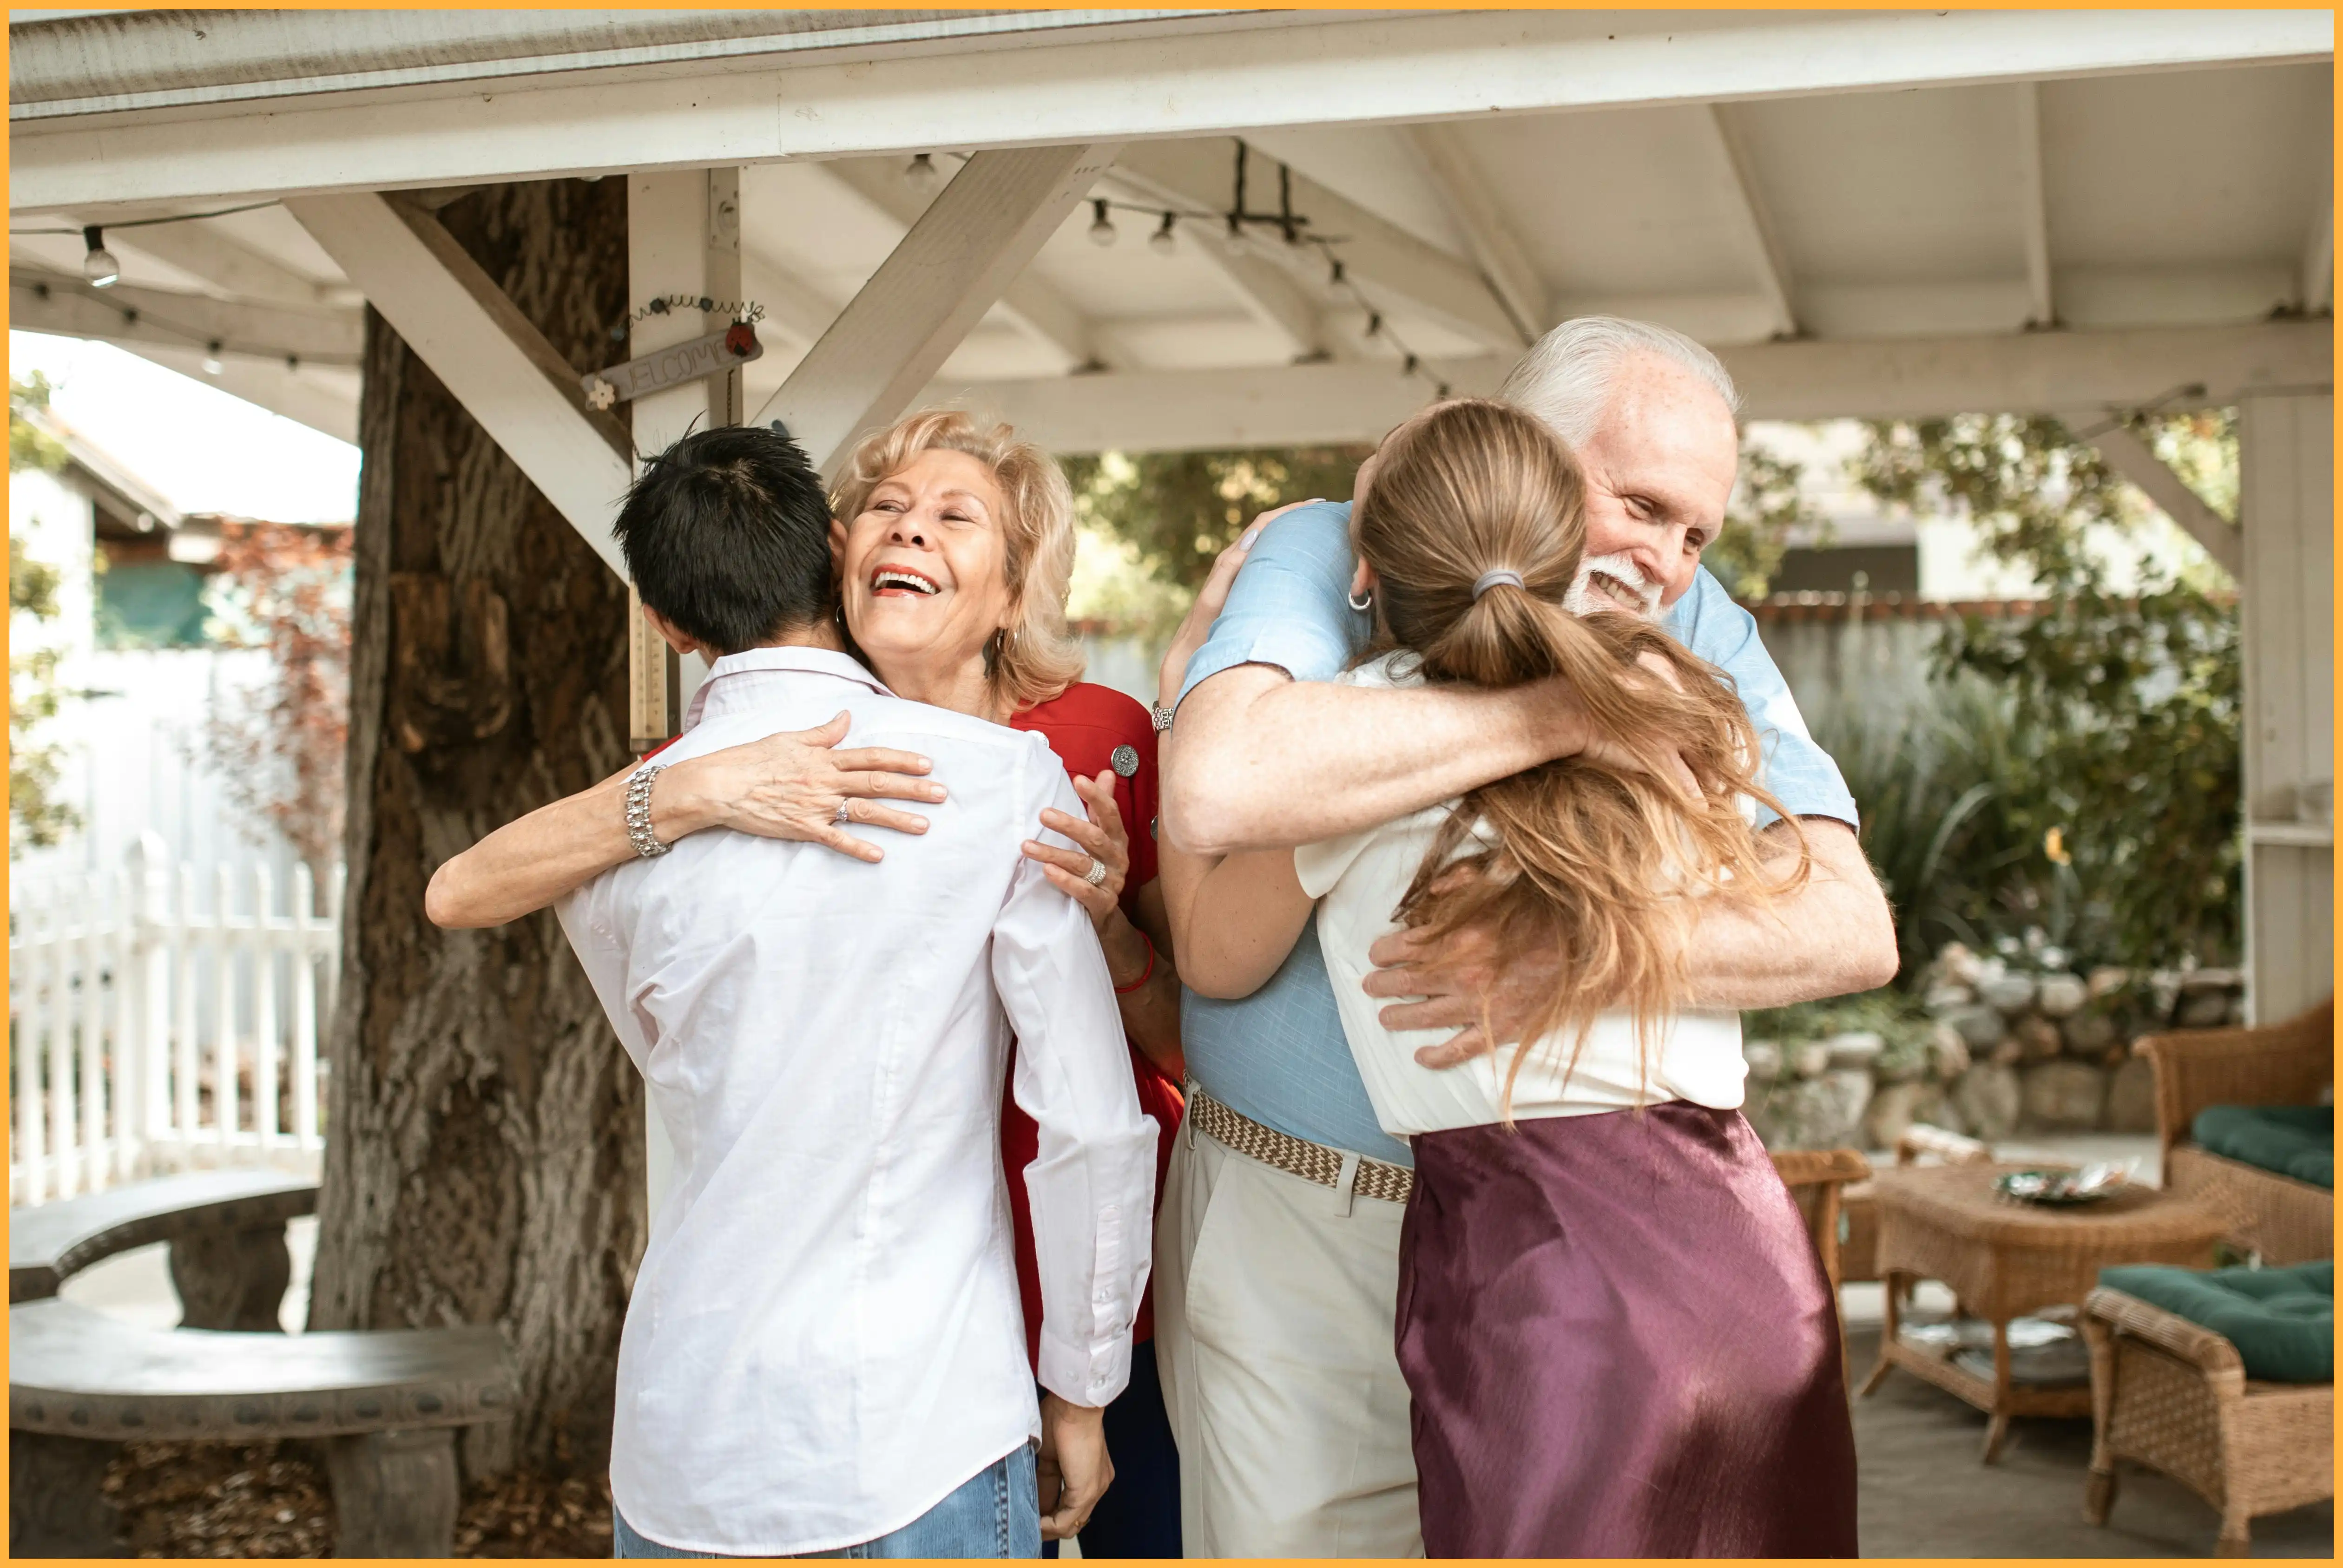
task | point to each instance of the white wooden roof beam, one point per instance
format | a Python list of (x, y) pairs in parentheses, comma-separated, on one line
[(491, 356), (1268, 292), (2034, 206), (41, 301), (1759, 238), (1393, 267), (323, 397), (203, 252), (1188, 80), (959, 258), (1031, 306), (1504, 262), (2317, 291), (2036, 372), (2121, 449)]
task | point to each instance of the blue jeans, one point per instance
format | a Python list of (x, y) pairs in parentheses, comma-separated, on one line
[(996, 1512)]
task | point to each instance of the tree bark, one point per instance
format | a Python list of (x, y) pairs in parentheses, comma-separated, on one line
[(485, 1137)]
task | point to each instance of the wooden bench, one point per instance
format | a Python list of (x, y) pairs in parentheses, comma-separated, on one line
[(384, 1405)]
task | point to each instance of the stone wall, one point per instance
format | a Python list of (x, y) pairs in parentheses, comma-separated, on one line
[(1998, 1045)]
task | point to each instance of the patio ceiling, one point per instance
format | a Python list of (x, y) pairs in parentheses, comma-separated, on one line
[(1869, 213)]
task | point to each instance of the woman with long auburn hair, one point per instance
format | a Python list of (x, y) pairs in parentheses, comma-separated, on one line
[(1615, 1334)]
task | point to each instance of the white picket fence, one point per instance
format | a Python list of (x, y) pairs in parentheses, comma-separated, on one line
[(148, 1034)]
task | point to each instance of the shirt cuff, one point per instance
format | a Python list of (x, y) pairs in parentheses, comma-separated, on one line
[(1079, 1374)]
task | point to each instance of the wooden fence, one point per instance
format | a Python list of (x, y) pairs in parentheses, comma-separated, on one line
[(157, 1024)]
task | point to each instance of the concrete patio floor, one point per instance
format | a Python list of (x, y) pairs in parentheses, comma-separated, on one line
[(1923, 1491)]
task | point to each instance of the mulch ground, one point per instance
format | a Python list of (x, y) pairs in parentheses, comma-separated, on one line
[(271, 1500)]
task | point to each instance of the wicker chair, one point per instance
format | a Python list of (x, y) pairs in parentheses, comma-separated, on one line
[(2284, 1219), (2173, 1396), (1816, 1177)]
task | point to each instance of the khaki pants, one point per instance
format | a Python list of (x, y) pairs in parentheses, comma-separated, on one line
[(1274, 1305)]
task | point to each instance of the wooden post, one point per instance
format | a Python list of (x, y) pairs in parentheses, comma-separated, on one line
[(2286, 469)]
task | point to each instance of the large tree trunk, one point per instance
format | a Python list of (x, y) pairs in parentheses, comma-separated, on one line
[(485, 1138)]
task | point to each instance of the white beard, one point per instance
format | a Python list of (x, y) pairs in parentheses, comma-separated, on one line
[(1585, 598)]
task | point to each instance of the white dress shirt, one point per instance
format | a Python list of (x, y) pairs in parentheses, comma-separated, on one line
[(1358, 880), (825, 1339)]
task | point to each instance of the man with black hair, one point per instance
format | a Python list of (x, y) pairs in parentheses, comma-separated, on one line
[(825, 1351)]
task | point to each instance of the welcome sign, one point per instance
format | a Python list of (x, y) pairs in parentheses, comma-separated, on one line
[(672, 367)]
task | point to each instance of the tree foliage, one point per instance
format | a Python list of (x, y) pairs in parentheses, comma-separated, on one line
[(1166, 515), (36, 817), (278, 747), (2096, 778)]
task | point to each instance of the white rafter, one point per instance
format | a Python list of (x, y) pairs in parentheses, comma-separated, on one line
[(2034, 372), (1390, 265), (203, 252), (273, 132), (1474, 206), (2122, 450), (2034, 206), (1760, 238), (41, 301), (2318, 286), (492, 357), (1031, 306), (959, 258)]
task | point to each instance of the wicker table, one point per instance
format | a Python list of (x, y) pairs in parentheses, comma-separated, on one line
[(2005, 1258)]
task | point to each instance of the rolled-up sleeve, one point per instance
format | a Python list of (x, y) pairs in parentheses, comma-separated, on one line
[(1290, 605), (1092, 1180), (1801, 774)]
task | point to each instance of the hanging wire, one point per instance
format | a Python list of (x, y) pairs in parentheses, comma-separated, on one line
[(205, 338), (151, 222), (1295, 229)]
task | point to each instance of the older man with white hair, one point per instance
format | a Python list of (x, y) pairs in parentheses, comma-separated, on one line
[(1277, 1248)]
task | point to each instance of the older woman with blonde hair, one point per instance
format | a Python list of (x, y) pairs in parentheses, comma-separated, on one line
[(955, 544)]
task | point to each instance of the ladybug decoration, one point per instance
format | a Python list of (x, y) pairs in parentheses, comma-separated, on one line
[(740, 340)]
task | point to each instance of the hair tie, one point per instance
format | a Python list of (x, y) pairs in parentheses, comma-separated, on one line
[(1488, 581)]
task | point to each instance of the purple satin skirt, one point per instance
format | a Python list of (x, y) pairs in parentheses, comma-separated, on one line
[(1620, 1344)]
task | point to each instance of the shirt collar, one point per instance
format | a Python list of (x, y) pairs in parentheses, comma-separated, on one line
[(802, 661)]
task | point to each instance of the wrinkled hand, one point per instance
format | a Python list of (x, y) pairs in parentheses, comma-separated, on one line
[(1448, 981), (1196, 626), (1102, 837), (788, 785), (1073, 1469)]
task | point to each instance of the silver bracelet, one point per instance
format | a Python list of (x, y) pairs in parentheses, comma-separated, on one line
[(638, 809)]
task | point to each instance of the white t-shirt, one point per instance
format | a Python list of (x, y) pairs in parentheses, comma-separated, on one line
[(1358, 880)]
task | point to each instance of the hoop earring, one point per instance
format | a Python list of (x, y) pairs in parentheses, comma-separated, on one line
[(1362, 602)]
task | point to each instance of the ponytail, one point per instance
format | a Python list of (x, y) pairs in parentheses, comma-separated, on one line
[(1475, 524)]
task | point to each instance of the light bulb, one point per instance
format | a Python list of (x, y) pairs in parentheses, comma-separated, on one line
[(1101, 229), (1161, 242), (99, 265), (922, 175), (212, 366)]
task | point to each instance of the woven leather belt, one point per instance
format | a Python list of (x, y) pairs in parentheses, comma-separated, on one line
[(1295, 1156)]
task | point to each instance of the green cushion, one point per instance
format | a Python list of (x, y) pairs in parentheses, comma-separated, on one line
[(2297, 1140), (2282, 1321)]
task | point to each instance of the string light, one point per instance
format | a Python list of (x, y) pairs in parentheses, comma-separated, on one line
[(1102, 230), (99, 265), (922, 174), (212, 364), (1161, 242)]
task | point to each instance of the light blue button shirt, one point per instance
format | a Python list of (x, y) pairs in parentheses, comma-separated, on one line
[(1278, 1055)]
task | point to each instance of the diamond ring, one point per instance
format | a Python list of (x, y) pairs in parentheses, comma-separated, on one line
[(1096, 875), (845, 811)]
